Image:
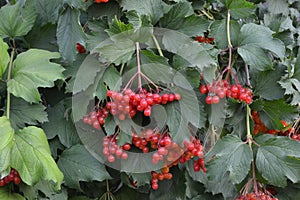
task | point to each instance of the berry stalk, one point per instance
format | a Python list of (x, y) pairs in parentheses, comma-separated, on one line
[(8, 78)]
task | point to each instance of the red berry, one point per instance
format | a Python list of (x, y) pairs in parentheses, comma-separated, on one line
[(203, 89), (154, 186), (215, 99), (111, 158), (17, 180), (208, 99), (177, 97)]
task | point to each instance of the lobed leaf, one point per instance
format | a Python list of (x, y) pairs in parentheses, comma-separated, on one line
[(33, 69), (278, 159), (16, 20), (79, 165), (4, 57), (6, 135), (32, 157), (231, 155), (69, 32)]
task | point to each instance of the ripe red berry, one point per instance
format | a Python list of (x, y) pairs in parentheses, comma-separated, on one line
[(111, 158), (215, 99), (208, 100), (17, 180), (154, 186), (203, 89)]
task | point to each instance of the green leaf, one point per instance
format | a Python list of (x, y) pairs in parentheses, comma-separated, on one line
[(48, 11), (152, 8), (5, 194), (271, 112), (87, 72), (278, 159), (219, 32), (32, 70), (23, 113), (78, 4), (141, 178), (269, 89), (195, 53), (43, 37), (117, 52), (225, 187), (79, 165), (6, 135), (32, 157), (81, 100), (97, 34), (41, 190), (69, 32), (277, 6), (117, 26), (112, 78), (182, 18), (256, 57), (236, 118), (15, 20), (60, 124), (137, 20), (254, 40), (240, 8), (4, 57), (232, 155), (292, 87)]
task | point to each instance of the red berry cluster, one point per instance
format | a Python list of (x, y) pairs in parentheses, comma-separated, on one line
[(80, 48), (167, 151), (260, 127), (220, 89), (101, 1), (170, 152), (159, 177), (203, 39), (96, 118), (129, 102), (111, 149), (259, 196), (12, 177)]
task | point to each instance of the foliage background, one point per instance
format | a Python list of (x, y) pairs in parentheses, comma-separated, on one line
[(38, 47)]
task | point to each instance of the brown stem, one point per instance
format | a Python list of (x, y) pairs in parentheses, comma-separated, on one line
[(254, 178), (138, 65)]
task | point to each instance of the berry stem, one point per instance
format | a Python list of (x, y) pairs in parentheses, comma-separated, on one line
[(248, 83), (228, 30), (122, 68), (229, 40), (249, 136), (8, 78), (157, 46), (254, 178), (138, 65)]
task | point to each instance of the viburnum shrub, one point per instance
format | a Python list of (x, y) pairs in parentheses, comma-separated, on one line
[(149, 99)]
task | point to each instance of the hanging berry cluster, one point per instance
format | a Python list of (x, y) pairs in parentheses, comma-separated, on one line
[(12, 177), (166, 151), (80, 48), (260, 127), (110, 148), (259, 196), (171, 153), (220, 89), (127, 104), (96, 118)]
